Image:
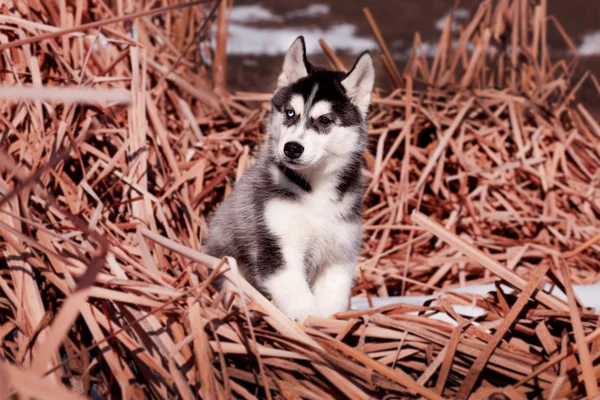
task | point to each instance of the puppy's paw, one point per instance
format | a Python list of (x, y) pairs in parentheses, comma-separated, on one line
[(300, 309)]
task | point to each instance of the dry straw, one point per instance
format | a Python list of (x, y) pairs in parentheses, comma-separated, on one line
[(115, 146)]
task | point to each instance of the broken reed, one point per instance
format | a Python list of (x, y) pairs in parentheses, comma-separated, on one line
[(483, 169)]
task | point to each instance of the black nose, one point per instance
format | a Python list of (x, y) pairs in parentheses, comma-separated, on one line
[(293, 150)]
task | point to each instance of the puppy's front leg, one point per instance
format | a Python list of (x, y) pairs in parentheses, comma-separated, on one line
[(289, 283), (291, 293), (332, 288)]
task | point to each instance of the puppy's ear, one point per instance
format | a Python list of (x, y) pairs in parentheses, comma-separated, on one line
[(359, 82), (295, 65)]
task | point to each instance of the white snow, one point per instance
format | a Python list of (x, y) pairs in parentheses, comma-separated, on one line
[(587, 294), (251, 40), (590, 45), (258, 13), (314, 10), (245, 38), (459, 14), (253, 13), (429, 49)]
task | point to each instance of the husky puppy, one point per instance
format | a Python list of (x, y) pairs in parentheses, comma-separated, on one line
[(293, 221)]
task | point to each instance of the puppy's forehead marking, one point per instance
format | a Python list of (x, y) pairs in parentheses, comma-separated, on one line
[(297, 103), (311, 97), (321, 107)]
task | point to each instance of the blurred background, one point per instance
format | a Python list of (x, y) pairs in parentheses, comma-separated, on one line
[(261, 31)]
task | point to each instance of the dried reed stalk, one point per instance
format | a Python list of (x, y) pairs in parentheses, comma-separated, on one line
[(484, 169)]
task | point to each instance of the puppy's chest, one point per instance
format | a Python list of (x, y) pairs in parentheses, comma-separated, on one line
[(313, 226)]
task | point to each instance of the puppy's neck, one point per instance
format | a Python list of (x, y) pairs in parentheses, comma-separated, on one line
[(295, 177)]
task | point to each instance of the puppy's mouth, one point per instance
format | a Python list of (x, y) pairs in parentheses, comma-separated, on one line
[(295, 165)]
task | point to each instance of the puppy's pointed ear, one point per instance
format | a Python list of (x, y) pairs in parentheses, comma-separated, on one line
[(359, 82), (295, 65)]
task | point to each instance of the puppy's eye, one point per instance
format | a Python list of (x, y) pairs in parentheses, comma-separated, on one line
[(290, 113), (324, 120)]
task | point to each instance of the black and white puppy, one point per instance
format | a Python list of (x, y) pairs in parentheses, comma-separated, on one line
[(293, 221)]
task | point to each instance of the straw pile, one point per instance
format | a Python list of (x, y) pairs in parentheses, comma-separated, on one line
[(119, 138)]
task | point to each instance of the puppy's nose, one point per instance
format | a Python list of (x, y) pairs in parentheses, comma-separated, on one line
[(293, 150)]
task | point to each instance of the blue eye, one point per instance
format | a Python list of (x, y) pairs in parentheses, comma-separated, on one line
[(290, 113)]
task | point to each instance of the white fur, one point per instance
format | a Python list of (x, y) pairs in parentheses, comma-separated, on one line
[(297, 103), (314, 225), (359, 83), (293, 64), (332, 288), (320, 108)]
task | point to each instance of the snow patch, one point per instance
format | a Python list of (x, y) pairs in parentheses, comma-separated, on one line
[(258, 13), (459, 14), (253, 13), (590, 45), (314, 10), (587, 294), (245, 38), (249, 40)]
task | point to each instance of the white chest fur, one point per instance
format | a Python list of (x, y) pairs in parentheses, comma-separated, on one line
[(313, 226)]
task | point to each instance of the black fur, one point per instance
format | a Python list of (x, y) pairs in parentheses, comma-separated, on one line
[(329, 88), (351, 180), (295, 178)]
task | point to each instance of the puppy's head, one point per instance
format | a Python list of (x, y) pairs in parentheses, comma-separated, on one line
[(319, 115)]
